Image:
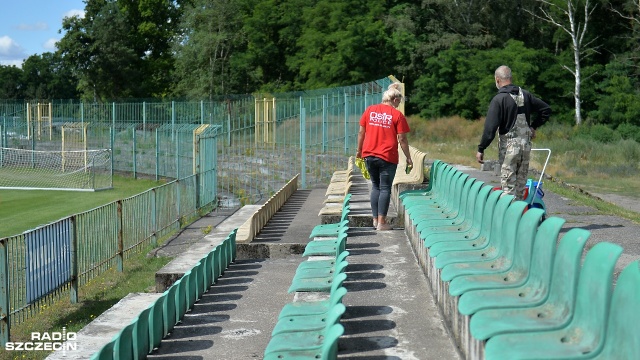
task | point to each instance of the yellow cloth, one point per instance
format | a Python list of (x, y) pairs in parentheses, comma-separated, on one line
[(363, 168)]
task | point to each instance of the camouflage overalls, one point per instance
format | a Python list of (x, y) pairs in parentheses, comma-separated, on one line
[(514, 153)]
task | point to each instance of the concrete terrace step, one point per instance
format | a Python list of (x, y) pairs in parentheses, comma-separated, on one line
[(390, 309)]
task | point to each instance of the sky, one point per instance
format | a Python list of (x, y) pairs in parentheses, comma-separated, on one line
[(29, 27)]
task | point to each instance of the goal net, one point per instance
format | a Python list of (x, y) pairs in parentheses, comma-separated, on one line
[(82, 170)]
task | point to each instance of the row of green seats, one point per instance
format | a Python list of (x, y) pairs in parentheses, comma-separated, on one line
[(526, 292), (311, 329), (145, 333)]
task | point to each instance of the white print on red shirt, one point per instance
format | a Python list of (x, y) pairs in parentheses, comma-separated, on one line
[(380, 119)]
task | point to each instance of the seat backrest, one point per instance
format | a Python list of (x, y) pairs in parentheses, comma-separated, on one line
[(330, 342), (334, 314), (488, 212), (141, 339), (480, 204), (337, 295), (105, 352), (338, 279), (566, 268), (498, 218), (540, 261), (169, 310), (156, 322), (523, 242), (454, 203), (593, 296), (466, 196), (123, 347), (503, 236), (622, 340), (474, 192)]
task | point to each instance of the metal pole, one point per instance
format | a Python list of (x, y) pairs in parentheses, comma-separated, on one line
[(4, 293), (303, 146), (120, 251), (74, 261)]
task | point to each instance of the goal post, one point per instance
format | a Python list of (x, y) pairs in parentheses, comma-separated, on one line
[(77, 170)]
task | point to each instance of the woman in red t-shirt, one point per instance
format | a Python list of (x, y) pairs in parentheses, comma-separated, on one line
[(382, 127)]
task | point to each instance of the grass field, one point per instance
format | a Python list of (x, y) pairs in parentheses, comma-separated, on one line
[(22, 210), (605, 168)]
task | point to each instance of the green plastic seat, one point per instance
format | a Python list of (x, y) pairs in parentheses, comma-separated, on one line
[(503, 228), (548, 292), (456, 250), (309, 322), (447, 207), (583, 335), (459, 213), (300, 340), (169, 310), (192, 289), (232, 245), (331, 229), (622, 340), (336, 293), (320, 284), (328, 348), (105, 352), (489, 290), (182, 304), (321, 264), (435, 167), (478, 193), (307, 308), (440, 197), (326, 247), (123, 346), (497, 272), (470, 239), (156, 322), (207, 271), (435, 187), (140, 335)]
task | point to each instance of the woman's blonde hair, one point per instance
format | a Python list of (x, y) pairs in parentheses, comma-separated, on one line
[(393, 91)]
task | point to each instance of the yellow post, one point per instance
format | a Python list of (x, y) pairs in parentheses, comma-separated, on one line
[(401, 106)]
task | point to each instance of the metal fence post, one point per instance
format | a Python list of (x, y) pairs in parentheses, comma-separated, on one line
[(346, 122), (303, 145), (4, 293), (135, 165), (120, 251), (74, 261), (154, 218)]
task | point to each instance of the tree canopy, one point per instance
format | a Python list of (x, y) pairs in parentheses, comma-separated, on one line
[(446, 51)]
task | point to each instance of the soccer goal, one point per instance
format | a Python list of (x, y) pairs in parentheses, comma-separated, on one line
[(81, 170)]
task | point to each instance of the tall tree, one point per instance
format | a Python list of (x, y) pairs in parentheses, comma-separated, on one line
[(120, 48), (210, 32), (571, 17), (342, 43), (11, 86), (46, 77)]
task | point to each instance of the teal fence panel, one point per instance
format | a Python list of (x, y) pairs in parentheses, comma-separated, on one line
[(235, 162), (97, 231)]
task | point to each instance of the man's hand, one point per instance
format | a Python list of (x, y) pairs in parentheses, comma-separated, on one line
[(480, 157), (533, 133)]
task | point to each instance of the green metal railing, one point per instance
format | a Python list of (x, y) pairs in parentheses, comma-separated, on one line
[(253, 146)]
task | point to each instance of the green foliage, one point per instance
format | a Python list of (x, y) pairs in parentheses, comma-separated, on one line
[(629, 131), (460, 81)]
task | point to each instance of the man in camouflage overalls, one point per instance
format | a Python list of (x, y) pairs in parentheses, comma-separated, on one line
[(510, 113)]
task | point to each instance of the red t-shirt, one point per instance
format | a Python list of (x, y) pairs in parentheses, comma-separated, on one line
[(382, 125)]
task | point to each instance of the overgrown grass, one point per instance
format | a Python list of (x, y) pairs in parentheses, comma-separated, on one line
[(97, 296), (576, 160), (44, 207)]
